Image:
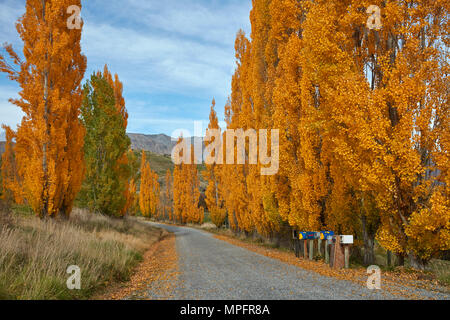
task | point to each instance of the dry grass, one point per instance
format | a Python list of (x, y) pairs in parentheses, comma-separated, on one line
[(208, 226), (441, 269), (156, 277), (35, 254)]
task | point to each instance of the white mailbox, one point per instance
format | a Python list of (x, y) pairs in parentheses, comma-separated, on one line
[(347, 239)]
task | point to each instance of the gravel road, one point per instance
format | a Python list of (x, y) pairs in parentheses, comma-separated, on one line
[(211, 269)]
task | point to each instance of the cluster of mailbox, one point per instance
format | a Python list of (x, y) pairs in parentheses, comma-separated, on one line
[(323, 235)]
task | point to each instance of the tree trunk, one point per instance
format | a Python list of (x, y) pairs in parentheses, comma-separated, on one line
[(389, 258), (400, 259), (277, 240), (64, 214), (369, 241), (416, 262)]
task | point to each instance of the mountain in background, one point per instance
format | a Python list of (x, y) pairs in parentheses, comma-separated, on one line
[(156, 143)]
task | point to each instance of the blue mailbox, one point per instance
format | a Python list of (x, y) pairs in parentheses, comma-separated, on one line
[(325, 234), (307, 235)]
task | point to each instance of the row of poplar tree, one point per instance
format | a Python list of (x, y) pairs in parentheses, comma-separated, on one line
[(364, 124), (71, 145), (363, 118)]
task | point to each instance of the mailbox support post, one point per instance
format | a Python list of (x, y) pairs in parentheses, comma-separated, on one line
[(332, 247), (319, 246), (311, 249), (346, 256), (327, 252), (346, 241), (305, 249)]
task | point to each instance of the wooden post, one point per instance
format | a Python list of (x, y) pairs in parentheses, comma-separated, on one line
[(305, 249), (296, 248), (327, 252), (332, 247), (319, 246), (311, 249), (346, 256)]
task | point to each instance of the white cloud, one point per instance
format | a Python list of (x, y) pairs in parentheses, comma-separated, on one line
[(10, 11), (171, 48), (212, 21), (151, 62), (10, 114)]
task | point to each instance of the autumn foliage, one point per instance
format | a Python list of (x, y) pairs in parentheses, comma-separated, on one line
[(214, 199), (362, 113), (186, 193), (363, 118), (149, 192), (49, 140)]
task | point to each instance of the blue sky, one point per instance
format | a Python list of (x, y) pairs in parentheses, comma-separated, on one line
[(173, 56)]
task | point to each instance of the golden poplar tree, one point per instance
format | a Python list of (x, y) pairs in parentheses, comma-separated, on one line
[(131, 199), (168, 196), (178, 188), (49, 140), (213, 199), (234, 176), (193, 213), (177, 192), (186, 184), (10, 181), (408, 129), (363, 118), (149, 191)]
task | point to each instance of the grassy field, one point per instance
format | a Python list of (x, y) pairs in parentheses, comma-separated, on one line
[(35, 253), (160, 164)]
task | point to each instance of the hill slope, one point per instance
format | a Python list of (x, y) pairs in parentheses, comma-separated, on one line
[(157, 143)]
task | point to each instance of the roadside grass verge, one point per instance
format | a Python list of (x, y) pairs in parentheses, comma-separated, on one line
[(35, 253)]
